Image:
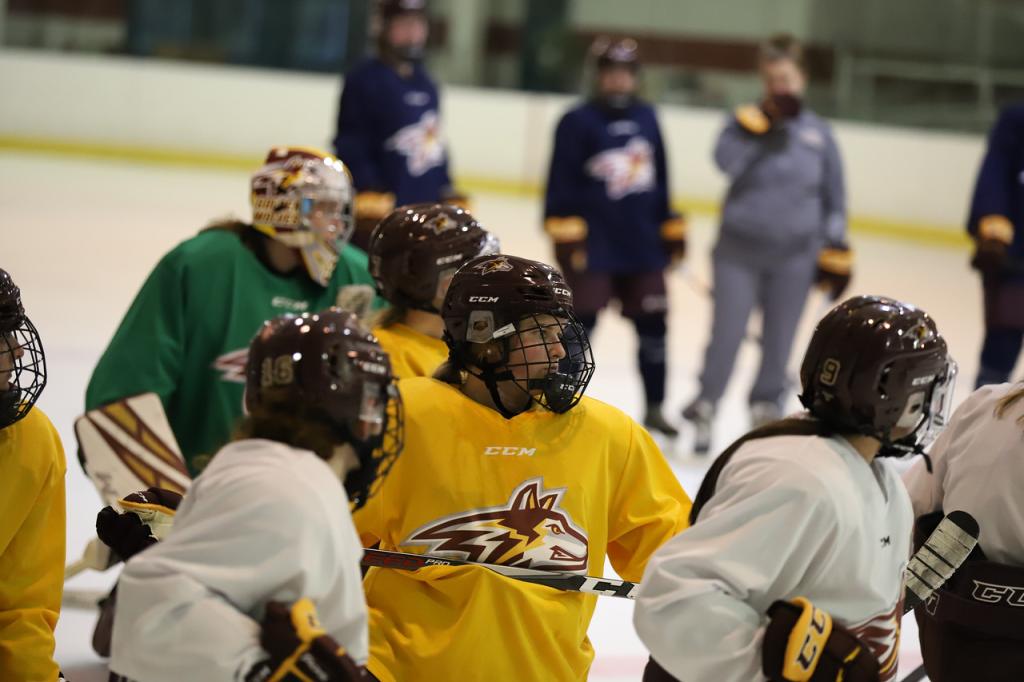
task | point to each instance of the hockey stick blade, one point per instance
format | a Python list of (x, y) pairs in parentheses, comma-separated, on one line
[(939, 557), (559, 580)]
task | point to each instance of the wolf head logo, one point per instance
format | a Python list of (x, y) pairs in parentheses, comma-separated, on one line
[(530, 531)]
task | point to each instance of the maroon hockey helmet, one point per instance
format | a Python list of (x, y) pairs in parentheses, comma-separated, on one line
[(389, 9), (328, 363), (417, 247), (622, 52), (387, 12), (22, 361), (521, 304), (879, 367)]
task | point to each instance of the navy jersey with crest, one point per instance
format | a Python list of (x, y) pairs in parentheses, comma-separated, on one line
[(1000, 186), (609, 169), (389, 133)]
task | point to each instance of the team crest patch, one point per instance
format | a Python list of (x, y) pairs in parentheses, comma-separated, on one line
[(420, 143), (531, 530), (440, 223), (500, 264), (625, 170)]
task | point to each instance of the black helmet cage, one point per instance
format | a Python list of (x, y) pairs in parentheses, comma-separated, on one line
[(21, 354), (376, 431), (22, 360), (377, 453)]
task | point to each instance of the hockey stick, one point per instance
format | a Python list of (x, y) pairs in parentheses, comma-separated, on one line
[(559, 580), (940, 556)]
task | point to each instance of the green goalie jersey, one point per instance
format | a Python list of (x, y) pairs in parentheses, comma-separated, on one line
[(186, 335)]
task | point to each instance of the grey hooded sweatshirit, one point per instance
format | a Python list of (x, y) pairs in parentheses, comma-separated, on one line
[(786, 200)]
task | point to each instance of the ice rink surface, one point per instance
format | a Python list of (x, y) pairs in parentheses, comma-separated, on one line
[(80, 236)]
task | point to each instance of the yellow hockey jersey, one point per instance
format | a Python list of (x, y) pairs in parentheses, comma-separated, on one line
[(540, 490), (413, 354), (32, 537)]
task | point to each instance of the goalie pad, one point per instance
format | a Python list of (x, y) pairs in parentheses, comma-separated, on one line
[(128, 445)]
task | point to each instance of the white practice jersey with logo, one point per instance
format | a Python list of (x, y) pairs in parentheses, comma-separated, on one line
[(791, 516), (264, 522)]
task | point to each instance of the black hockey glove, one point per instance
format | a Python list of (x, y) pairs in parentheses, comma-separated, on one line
[(991, 247), (569, 233), (147, 517), (835, 266), (803, 644), (673, 239), (300, 649)]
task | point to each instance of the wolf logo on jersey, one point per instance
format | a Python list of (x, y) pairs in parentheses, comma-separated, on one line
[(625, 170), (530, 531), (232, 365), (420, 143), (882, 635)]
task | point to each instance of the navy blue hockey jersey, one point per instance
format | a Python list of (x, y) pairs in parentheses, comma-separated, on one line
[(1000, 186), (609, 169), (389, 133)]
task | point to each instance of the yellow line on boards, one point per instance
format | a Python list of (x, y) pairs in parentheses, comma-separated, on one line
[(935, 235)]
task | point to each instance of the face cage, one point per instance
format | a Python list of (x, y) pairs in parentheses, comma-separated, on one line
[(379, 450), (25, 375), (562, 386), (935, 416)]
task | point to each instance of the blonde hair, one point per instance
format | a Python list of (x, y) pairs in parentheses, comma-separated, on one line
[(782, 46), (1008, 401)]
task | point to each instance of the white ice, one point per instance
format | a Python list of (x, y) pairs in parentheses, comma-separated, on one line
[(80, 236)]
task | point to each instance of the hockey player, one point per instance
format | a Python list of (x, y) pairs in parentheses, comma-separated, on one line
[(263, 542), (997, 211), (389, 124), (185, 336), (608, 212), (973, 629), (792, 569), (783, 229), (32, 534), (507, 462), (413, 254)]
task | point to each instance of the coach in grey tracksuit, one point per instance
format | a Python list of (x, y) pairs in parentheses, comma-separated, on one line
[(783, 228)]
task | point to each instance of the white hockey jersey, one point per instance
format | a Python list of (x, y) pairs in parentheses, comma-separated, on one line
[(264, 522), (791, 516), (978, 467)]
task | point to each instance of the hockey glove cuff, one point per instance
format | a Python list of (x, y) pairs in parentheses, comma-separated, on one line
[(991, 254), (300, 649), (803, 644), (673, 238), (835, 266), (570, 237)]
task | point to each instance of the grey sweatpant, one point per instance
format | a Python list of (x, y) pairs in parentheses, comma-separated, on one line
[(778, 282)]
